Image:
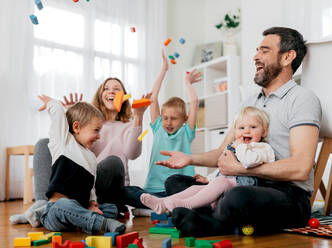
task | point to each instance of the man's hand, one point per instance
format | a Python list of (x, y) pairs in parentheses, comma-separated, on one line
[(71, 102), (177, 159), (94, 207), (228, 164)]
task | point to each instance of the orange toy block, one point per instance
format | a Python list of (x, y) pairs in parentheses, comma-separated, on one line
[(124, 240), (139, 243), (173, 61), (56, 240), (167, 41), (19, 242), (118, 100), (143, 102)]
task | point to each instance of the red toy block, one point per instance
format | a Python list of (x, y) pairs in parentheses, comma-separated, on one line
[(139, 243), (118, 100), (67, 244), (133, 29), (143, 102), (78, 244), (223, 244), (155, 221), (314, 223), (167, 41), (124, 240), (173, 61), (75, 1)]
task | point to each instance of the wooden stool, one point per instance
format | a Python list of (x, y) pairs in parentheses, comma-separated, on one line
[(26, 151)]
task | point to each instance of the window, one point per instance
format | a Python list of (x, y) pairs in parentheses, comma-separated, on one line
[(71, 48)]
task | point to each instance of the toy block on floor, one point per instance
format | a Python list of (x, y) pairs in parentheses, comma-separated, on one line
[(155, 216), (56, 240), (39, 4), (124, 240), (118, 100), (78, 244), (139, 243), (65, 244), (165, 230), (113, 235), (190, 242), (35, 235), (47, 236), (19, 242), (143, 102), (99, 241), (223, 244), (132, 246), (40, 242), (167, 243)]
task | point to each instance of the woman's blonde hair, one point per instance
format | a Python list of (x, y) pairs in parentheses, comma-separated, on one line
[(82, 112), (125, 113), (260, 115), (176, 102)]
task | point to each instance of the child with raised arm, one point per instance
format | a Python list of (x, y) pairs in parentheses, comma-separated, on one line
[(172, 130), (250, 130), (71, 195)]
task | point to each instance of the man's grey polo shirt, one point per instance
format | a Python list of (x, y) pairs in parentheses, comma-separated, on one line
[(289, 106)]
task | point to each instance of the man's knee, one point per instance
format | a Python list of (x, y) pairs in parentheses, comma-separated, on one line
[(111, 164), (42, 145)]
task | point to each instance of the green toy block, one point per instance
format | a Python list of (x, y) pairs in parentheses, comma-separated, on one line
[(190, 242), (161, 230), (132, 246), (40, 242), (57, 234), (171, 57), (205, 243), (175, 234)]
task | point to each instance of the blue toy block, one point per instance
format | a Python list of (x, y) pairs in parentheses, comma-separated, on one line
[(176, 55), (34, 19), (170, 222), (182, 41), (162, 225), (113, 235), (167, 243), (155, 216), (39, 4)]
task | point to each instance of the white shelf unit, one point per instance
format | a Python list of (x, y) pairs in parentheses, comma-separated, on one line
[(217, 108)]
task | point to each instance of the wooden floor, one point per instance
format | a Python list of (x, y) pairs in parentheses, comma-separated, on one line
[(141, 224)]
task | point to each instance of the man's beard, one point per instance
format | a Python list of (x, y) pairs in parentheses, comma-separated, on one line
[(269, 73)]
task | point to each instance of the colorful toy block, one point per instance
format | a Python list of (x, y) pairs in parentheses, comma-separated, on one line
[(126, 97), (142, 135), (118, 100), (139, 243), (99, 241), (161, 230), (182, 41), (19, 242), (39, 4), (143, 102), (40, 242), (75, 1), (223, 244), (167, 243), (190, 242), (176, 55), (132, 246), (132, 29), (155, 216), (176, 234), (167, 41), (171, 57), (162, 225), (124, 240), (65, 244), (155, 221), (57, 239), (35, 235), (173, 61), (47, 236), (78, 244), (34, 19), (113, 235), (170, 222)]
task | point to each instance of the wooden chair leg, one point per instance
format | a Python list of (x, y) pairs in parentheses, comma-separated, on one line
[(7, 175), (321, 164)]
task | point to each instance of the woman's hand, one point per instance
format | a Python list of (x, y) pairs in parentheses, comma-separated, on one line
[(94, 207), (67, 103), (45, 99)]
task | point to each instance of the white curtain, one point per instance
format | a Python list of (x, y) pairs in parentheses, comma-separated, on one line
[(73, 49)]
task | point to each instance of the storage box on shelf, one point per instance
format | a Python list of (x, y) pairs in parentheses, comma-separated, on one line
[(219, 97)]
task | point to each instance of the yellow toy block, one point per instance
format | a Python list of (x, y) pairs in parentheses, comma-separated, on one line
[(99, 241), (35, 235), (126, 97), (18, 242), (142, 135), (47, 236)]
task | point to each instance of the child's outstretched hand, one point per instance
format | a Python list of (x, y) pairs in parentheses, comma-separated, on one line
[(193, 77), (201, 179), (165, 61), (71, 101), (94, 207), (45, 99)]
